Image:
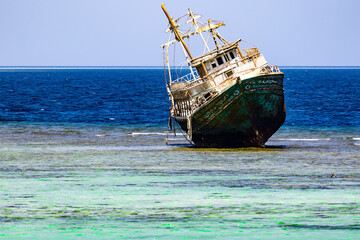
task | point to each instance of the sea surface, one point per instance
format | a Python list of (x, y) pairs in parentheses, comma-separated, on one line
[(83, 155)]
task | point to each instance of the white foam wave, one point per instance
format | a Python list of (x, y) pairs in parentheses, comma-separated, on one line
[(356, 139), (147, 133), (303, 139), (67, 148)]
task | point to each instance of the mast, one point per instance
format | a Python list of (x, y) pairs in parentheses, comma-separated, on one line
[(213, 35), (176, 32), (198, 30)]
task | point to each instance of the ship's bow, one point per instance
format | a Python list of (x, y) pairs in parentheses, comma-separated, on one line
[(244, 115)]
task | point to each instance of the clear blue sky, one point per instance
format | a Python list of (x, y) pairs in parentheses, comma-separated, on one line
[(129, 33)]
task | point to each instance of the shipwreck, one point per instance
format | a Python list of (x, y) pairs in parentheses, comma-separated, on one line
[(229, 97)]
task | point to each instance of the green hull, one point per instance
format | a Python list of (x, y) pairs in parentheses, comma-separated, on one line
[(246, 114)]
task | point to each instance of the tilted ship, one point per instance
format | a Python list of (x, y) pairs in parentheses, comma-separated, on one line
[(231, 97)]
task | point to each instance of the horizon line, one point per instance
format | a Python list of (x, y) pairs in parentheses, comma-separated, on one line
[(150, 67)]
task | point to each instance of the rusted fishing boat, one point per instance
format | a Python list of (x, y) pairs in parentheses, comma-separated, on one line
[(230, 97)]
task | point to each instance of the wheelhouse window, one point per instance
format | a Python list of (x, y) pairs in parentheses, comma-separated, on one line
[(219, 60), (229, 73), (232, 56), (213, 64)]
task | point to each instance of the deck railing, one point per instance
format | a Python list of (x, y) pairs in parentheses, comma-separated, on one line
[(188, 78), (270, 69), (186, 108)]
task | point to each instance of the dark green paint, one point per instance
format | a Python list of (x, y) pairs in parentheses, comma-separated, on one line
[(248, 113)]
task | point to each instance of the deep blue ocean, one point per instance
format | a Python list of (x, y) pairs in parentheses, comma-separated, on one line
[(314, 97), (83, 155)]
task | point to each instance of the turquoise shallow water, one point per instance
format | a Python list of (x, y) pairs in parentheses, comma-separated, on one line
[(72, 181)]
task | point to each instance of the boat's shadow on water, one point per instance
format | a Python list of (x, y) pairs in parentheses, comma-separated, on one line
[(276, 147), (194, 147)]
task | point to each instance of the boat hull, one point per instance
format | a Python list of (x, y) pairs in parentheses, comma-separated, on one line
[(246, 114)]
